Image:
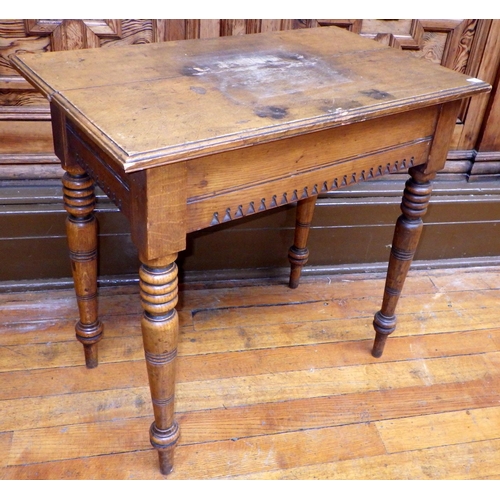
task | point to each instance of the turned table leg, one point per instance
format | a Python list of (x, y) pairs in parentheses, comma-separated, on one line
[(298, 252), (414, 205), (160, 327), (81, 228)]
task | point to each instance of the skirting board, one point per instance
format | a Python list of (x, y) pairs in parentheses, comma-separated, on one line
[(247, 277)]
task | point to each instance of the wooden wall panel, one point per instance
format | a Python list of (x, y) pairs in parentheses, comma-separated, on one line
[(29, 169), (487, 159)]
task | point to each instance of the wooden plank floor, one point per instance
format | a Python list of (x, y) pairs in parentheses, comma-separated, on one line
[(273, 383)]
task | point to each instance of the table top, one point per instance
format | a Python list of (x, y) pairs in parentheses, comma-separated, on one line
[(153, 104)]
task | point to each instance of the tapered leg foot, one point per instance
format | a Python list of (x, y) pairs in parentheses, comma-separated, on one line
[(165, 441), (407, 233), (384, 326), (160, 327), (298, 254), (91, 357), (81, 229)]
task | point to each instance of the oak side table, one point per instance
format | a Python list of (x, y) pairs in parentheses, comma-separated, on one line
[(191, 134)]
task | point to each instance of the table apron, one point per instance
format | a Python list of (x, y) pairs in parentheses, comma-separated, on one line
[(266, 195)]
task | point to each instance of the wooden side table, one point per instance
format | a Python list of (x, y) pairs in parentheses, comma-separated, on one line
[(188, 135)]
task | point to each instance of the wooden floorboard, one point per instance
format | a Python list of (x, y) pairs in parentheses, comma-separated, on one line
[(273, 383)]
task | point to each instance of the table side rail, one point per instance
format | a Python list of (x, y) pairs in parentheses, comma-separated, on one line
[(108, 175), (294, 187)]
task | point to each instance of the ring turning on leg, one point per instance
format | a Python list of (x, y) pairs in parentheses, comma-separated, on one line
[(407, 233), (160, 328), (298, 253), (81, 229)]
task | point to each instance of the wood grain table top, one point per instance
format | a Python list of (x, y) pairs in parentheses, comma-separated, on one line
[(153, 104)]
